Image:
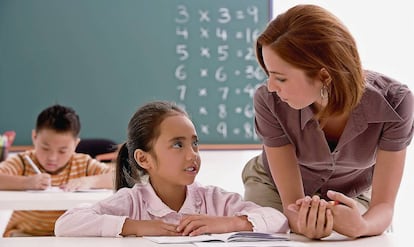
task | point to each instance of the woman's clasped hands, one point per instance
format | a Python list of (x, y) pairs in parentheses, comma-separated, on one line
[(317, 218)]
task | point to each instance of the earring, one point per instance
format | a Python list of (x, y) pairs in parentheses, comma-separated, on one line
[(324, 92)]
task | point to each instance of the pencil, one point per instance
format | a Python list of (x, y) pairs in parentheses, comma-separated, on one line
[(32, 164)]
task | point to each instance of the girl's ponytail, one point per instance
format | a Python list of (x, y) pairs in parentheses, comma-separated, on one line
[(125, 175)]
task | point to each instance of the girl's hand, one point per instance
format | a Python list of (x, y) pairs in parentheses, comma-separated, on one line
[(38, 181), (149, 228), (314, 217), (348, 219), (194, 225)]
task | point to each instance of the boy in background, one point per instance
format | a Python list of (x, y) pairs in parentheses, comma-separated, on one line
[(54, 140)]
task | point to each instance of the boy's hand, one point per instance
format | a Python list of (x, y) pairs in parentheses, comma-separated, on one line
[(38, 181), (89, 182), (77, 184)]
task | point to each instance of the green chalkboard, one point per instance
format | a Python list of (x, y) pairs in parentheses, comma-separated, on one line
[(105, 58)]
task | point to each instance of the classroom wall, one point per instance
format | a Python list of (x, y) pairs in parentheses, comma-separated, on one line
[(384, 31)]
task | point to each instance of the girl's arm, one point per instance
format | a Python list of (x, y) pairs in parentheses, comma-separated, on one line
[(90, 221), (197, 224), (149, 228), (103, 219), (109, 219), (228, 212), (116, 216), (386, 181)]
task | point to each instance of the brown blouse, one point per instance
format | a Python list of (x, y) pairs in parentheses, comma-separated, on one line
[(382, 120)]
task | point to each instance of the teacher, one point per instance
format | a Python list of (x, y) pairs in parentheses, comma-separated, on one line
[(334, 135)]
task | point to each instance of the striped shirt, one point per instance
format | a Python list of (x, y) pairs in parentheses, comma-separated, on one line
[(42, 223)]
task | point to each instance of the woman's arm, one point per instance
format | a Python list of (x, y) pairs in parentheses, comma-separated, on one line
[(386, 181), (310, 216), (286, 174)]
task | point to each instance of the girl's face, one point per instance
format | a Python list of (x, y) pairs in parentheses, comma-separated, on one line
[(53, 149), (290, 84), (177, 160)]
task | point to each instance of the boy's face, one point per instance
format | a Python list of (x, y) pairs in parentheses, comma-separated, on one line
[(53, 149)]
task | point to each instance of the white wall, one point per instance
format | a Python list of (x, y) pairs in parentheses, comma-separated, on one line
[(384, 31)]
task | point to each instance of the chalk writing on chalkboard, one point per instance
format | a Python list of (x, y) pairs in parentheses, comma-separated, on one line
[(224, 37), (106, 58)]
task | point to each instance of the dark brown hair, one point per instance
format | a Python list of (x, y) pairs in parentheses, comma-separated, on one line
[(143, 130), (60, 119)]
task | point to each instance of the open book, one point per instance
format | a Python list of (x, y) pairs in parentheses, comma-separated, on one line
[(222, 237)]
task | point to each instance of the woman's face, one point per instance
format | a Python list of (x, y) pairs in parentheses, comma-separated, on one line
[(290, 83)]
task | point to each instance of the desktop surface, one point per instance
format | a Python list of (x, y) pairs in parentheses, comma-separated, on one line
[(49, 200), (384, 240)]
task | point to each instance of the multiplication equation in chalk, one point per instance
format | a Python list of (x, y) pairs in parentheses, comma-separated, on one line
[(216, 72)]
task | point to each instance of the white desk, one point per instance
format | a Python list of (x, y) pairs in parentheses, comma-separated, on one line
[(41, 200), (385, 240)]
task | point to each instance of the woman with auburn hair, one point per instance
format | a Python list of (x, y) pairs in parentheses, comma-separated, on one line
[(334, 135)]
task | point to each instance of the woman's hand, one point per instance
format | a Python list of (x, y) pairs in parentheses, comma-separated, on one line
[(348, 220), (314, 217), (194, 225)]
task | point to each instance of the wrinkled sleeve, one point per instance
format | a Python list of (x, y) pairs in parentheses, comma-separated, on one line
[(267, 125), (263, 219), (103, 219), (397, 135)]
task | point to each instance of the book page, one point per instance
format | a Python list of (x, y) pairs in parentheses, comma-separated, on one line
[(222, 237), (252, 244), (187, 239)]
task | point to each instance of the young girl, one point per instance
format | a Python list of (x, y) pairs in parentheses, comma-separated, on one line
[(160, 161)]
